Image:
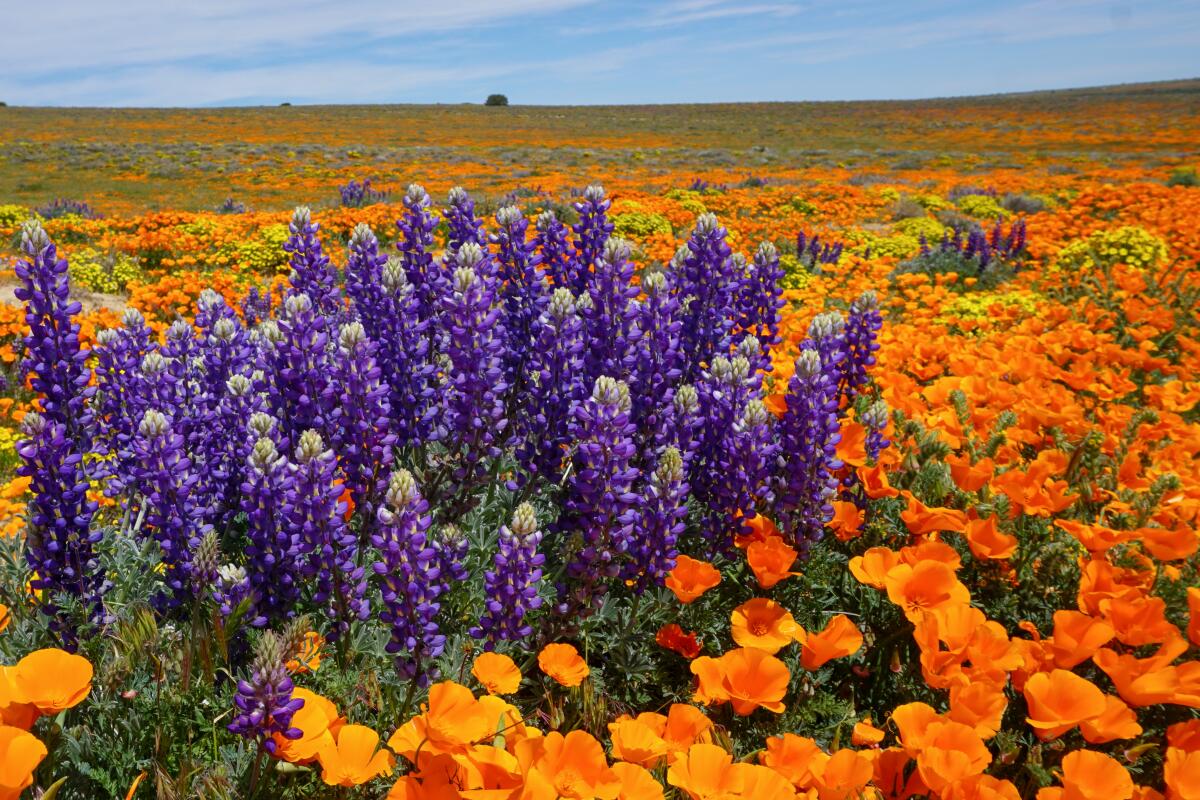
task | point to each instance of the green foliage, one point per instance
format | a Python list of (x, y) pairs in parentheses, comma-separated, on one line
[(1184, 176), (981, 206), (496, 100)]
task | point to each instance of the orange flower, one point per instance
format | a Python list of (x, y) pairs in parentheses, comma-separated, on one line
[(1060, 700), (673, 637), (20, 753), (15, 709), (1077, 637), (796, 758), (852, 447), (691, 578), (980, 706), (710, 681), (308, 656), (354, 758), (981, 787), (453, 722), (5, 616), (636, 742), (841, 637), (928, 586), (1088, 775), (865, 734), (637, 783), (1116, 722), (497, 672), (875, 482), (53, 680), (872, 567), (706, 771), (1193, 601), (1181, 773), (845, 774), (952, 752), (922, 520), (573, 766), (563, 663), (847, 520), (757, 529), (763, 782), (771, 561), (971, 477), (754, 679), (317, 721), (986, 541), (765, 624)]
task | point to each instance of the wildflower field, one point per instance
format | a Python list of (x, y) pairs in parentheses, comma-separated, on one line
[(831, 451)]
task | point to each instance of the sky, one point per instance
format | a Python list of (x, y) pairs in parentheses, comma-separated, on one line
[(567, 52)]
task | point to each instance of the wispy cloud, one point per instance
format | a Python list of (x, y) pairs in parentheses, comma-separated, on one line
[(193, 52)]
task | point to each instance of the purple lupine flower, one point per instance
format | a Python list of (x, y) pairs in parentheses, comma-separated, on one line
[(523, 294), (556, 361), (229, 445), (608, 319), (812, 253), (54, 363), (356, 194), (312, 274), (558, 258), (406, 359), (265, 703), (173, 514), (179, 387), (654, 360), (224, 347), (875, 419), (235, 597), (660, 523), (474, 396), (316, 520), (273, 553), (428, 277), (59, 541), (364, 273), (119, 398), (709, 281), (827, 335), (410, 577), (683, 428), (806, 483), (511, 586), (256, 305), (462, 226), (761, 301), (206, 564), (862, 329), (359, 422), (298, 368), (729, 475), (599, 512), (592, 233)]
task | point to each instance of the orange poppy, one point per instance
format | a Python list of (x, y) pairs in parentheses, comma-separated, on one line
[(1060, 700), (987, 541), (318, 723), (847, 520), (771, 561), (1117, 721), (5, 617), (706, 771), (764, 624), (926, 587), (497, 673), (710, 681), (845, 774), (691, 578), (573, 766), (637, 783), (20, 753), (865, 734), (922, 519), (15, 709), (636, 742), (1193, 601), (1181, 773), (875, 483), (852, 447), (746, 677), (1077, 637), (308, 655), (757, 529), (952, 752), (872, 567), (563, 663), (981, 787), (979, 706), (840, 638), (1088, 775), (454, 720), (53, 680), (797, 758), (971, 477), (354, 757), (673, 637)]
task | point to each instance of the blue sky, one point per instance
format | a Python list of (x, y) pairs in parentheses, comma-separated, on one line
[(249, 52)]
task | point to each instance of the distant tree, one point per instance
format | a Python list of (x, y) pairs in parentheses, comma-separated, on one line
[(281, 105), (3, 104), (496, 100)]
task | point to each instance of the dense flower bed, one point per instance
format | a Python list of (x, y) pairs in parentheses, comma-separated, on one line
[(521, 509)]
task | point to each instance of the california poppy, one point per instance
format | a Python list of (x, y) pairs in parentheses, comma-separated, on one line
[(979, 706), (797, 758), (574, 765), (675, 638), (308, 655), (691, 578), (1193, 601), (705, 771), (453, 721), (847, 520), (497, 672), (1117, 721), (764, 624), (637, 783), (318, 722), (840, 637), (563, 663), (1060, 700), (845, 773), (20, 753), (54, 680), (754, 679), (865, 734), (354, 757), (771, 561), (1088, 775), (926, 587), (987, 541), (636, 742)]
